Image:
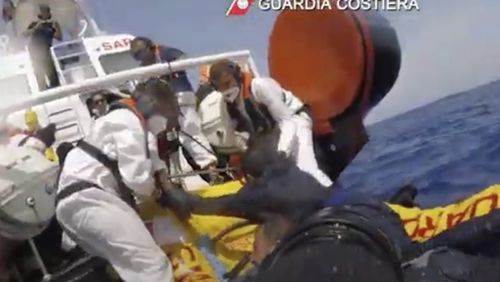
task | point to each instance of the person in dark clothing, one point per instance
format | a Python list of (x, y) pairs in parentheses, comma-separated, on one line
[(148, 53), (307, 233), (42, 33)]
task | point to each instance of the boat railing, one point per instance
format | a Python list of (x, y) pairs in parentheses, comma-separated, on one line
[(84, 28), (119, 78)]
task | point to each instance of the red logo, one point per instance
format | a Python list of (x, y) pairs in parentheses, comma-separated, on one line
[(239, 7)]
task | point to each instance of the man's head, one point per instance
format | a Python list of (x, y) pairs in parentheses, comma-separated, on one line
[(279, 200), (262, 154), (226, 78), (156, 100), (44, 12), (142, 49), (99, 104)]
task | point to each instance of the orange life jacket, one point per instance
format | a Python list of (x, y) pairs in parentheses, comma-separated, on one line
[(131, 105), (204, 75)]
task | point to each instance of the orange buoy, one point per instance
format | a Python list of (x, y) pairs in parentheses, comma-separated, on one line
[(318, 55), (340, 63), (328, 58)]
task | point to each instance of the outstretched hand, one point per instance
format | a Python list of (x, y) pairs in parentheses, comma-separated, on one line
[(170, 195), (179, 201), (214, 176)]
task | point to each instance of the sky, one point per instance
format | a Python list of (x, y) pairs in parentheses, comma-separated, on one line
[(448, 46)]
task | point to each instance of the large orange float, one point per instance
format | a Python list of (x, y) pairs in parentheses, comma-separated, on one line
[(341, 63)]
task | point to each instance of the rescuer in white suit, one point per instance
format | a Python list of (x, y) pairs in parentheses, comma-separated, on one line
[(289, 113), (193, 141), (40, 140), (92, 204)]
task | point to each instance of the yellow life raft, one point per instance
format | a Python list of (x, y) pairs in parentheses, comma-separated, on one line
[(191, 263)]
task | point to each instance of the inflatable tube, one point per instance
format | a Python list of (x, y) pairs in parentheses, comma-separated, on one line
[(182, 241), (188, 245), (423, 224)]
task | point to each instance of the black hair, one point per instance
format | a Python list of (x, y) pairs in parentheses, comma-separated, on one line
[(262, 153), (146, 42), (44, 8), (283, 190), (224, 66)]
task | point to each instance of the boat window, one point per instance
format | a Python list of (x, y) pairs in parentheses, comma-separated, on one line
[(73, 62), (18, 88), (68, 49), (77, 68), (116, 62)]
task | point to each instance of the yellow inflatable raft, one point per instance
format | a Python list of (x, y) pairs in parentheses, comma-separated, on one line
[(195, 261)]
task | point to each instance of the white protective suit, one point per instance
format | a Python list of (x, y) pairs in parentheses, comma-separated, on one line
[(193, 139), (29, 141), (98, 220), (296, 129)]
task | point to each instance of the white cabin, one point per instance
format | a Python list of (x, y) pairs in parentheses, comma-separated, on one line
[(88, 53)]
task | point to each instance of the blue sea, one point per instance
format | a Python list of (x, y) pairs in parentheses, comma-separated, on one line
[(448, 149)]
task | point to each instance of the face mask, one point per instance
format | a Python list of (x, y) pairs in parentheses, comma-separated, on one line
[(157, 124), (231, 94)]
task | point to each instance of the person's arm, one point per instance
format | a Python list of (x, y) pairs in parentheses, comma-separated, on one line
[(31, 28), (135, 167), (471, 236), (268, 92), (57, 31), (234, 205), (194, 141)]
